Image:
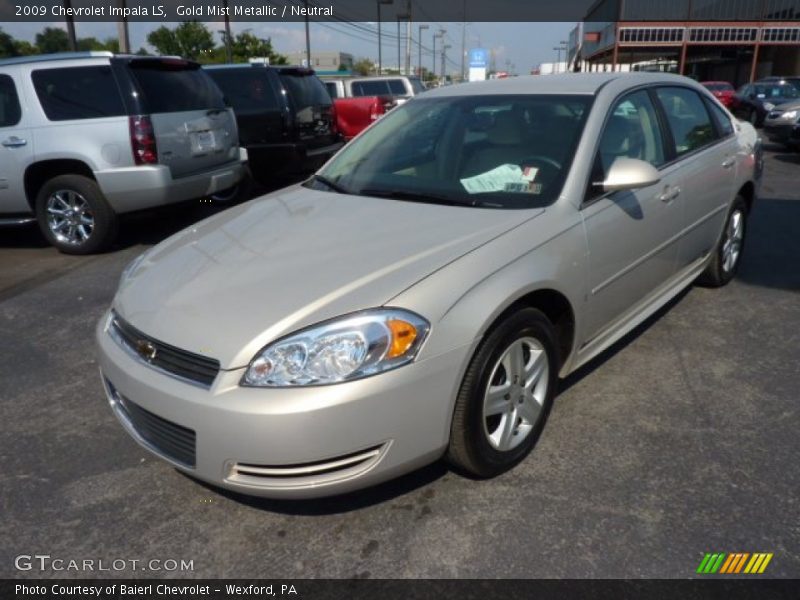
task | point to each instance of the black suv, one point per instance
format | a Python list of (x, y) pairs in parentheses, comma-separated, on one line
[(285, 117)]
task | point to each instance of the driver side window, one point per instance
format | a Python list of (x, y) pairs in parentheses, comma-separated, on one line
[(632, 131)]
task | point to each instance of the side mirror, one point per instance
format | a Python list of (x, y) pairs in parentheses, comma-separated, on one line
[(629, 174)]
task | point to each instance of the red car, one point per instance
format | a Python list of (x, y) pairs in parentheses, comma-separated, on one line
[(722, 90)]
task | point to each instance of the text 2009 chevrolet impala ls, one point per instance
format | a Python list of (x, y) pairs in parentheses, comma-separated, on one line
[(421, 295)]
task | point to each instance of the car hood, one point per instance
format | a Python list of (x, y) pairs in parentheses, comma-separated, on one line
[(791, 105), (227, 286)]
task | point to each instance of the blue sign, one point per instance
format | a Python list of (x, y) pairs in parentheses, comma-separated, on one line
[(478, 58)]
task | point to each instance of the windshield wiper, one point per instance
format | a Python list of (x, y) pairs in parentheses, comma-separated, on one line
[(424, 197), (330, 184)]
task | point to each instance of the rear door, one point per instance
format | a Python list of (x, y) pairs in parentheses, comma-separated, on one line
[(194, 130), (312, 108), (16, 148), (260, 111), (705, 150)]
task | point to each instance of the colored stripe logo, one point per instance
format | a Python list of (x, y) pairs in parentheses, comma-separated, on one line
[(734, 563)]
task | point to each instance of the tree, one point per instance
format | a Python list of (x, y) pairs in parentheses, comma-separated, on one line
[(363, 67), (190, 39), (245, 46), (8, 46), (52, 39)]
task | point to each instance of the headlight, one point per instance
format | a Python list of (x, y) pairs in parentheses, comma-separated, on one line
[(130, 268), (768, 106), (344, 349), (789, 114)]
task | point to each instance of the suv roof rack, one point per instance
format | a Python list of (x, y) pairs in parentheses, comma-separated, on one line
[(34, 58)]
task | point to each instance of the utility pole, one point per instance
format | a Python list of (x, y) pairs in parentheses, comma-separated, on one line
[(444, 63), (439, 35), (464, 42), (408, 38), (308, 38), (73, 41), (228, 39), (380, 49), (122, 32), (399, 67), (419, 41)]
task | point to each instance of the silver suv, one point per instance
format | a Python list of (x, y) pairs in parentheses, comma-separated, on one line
[(87, 136)]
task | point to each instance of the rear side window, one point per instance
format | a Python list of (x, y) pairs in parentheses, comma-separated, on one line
[(688, 119), (723, 121), (305, 90), (248, 90), (10, 111), (398, 87), (78, 93), (169, 87), (370, 88)]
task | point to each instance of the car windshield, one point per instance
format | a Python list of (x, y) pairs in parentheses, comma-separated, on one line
[(504, 151), (783, 90)]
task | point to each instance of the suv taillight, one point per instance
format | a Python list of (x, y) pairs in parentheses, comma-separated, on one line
[(143, 140)]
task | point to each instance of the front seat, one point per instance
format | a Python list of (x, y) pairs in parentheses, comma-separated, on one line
[(504, 145)]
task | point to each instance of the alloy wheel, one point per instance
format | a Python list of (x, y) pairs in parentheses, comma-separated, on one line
[(515, 395), (732, 244), (69, 217)]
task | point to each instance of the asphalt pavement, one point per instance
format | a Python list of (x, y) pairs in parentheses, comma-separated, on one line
[(681, 440)]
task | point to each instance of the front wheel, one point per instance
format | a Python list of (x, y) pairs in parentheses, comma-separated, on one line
[(505, 396), (727, 254), (74, 215)]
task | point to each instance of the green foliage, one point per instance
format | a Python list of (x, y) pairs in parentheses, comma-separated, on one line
[(363, 66), (52, 39), (190, 39), (246, 45)]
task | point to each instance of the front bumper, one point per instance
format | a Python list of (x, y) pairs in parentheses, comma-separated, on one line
[(782, 132), (135, 188), (291, 442)]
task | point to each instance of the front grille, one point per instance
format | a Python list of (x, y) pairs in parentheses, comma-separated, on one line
[(194, 367), (170, 439)]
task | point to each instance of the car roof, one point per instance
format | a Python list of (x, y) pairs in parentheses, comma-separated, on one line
[(564, 83), (36, 58)]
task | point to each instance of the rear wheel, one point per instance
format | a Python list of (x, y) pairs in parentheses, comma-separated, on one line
[(238, 193), (74, 215), (505, 396), (728, 253)]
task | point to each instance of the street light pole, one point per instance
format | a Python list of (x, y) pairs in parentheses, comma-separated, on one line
[(441, 36), (444, 59), (73, 41), (122, 32), (380, 49), (308, 38), (228, 39), (419, 41)]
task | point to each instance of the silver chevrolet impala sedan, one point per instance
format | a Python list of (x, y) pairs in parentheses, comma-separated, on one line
[(422, 294)]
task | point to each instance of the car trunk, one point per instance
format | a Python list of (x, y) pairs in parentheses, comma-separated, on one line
[(312, 108), (193, 129)]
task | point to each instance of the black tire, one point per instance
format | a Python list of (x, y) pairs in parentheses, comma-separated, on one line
[(716, 274), (470, 450), (238, 193), (754, 119), (104, 227)]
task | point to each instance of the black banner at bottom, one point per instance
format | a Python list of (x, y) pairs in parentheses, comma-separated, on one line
[(399, 589)]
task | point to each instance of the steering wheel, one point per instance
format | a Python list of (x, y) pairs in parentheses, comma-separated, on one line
[(540, 159)]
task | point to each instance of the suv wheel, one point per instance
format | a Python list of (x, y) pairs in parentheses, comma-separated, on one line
[(505, 396), (238, 193), (74, 215), (727, 254)]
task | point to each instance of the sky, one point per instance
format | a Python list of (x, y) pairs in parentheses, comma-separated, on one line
[(524, 45)]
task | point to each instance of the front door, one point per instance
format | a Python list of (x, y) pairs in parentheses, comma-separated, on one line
[(631, 235)]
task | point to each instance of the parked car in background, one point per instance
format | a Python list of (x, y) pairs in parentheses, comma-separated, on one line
[(782, 125), (353, 115), (285, 116), (398, 87), (722, 91), (754, 100), (88, 136), (791, 79), (421, 295)]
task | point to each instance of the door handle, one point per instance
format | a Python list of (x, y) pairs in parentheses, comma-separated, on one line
[(670, 194), (728, 163), (14, 142)]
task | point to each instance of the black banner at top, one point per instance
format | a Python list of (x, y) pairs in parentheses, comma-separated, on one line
[(413, 10)]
